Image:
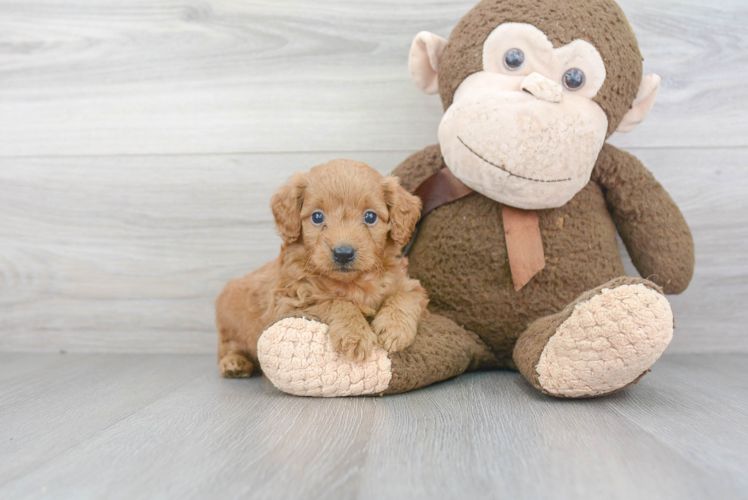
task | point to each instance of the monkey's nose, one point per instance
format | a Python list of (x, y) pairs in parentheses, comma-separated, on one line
[(543, 88), (343, 254)]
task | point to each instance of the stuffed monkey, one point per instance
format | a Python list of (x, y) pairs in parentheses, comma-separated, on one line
[(522, 200)]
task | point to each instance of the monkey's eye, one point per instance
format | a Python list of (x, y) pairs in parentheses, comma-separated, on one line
[(318, 218), (514, 59), (574, 79), (370, 218)]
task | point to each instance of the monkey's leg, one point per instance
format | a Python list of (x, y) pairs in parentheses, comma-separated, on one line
[(297, 356), (602, 342)]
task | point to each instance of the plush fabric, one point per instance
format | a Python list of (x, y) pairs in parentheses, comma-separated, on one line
[(526, 161), (602, 23), (296, 354), (607, 342), (540, 55), (442, 350), (540, 86), (460, 257), (652, 227), (599, 343), (460, 253)]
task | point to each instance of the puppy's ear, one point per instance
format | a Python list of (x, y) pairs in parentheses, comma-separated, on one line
[(286, 207), (404, 208)]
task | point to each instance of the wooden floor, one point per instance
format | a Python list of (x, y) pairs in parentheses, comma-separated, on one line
[(167, 426)]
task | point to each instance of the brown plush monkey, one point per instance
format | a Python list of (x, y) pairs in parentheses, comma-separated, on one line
[(522, 200)]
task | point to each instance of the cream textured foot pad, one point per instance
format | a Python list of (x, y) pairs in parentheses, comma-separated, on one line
[(607, 342), (297, 356)]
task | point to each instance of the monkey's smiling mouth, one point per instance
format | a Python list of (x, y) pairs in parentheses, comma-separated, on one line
[(505, 169)]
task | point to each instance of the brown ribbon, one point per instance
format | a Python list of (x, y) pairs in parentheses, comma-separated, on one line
[(524, 244), (439, 189)]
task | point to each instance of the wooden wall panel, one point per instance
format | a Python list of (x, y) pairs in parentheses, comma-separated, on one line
[(128, 253), (140, 141), (128, 77)]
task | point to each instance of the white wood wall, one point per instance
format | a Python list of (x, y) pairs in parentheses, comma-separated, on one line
[(140, 141)]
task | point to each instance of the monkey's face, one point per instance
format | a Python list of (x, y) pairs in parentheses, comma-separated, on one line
[(525, 130)]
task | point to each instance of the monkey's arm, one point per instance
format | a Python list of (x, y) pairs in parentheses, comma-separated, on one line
[(651, 225), (419, 166)]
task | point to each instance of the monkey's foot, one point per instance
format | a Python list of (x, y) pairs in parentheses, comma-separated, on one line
[(296, 354), (605, 340)]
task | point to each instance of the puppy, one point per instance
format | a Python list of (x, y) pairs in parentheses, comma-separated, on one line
[(343, 227)]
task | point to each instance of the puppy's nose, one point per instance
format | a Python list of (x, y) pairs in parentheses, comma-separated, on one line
[(343, 254)]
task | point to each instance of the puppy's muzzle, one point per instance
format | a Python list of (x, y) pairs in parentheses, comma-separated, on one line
[(343, 254)]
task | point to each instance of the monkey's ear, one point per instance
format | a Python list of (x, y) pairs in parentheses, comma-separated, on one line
[(642, 105), (425, 53), (286, 207), (404, 209)]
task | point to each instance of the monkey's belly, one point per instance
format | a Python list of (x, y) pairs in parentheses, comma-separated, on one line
[(460, 257)]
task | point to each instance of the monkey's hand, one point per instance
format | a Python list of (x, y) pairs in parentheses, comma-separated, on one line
[(651, 226)]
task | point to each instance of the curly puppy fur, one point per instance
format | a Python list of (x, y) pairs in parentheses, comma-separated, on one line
[(367, 301)]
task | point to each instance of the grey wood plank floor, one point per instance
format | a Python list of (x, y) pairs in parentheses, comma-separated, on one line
[(167, 426)]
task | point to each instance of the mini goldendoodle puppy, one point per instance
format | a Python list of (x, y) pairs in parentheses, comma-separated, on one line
[(343, 227)]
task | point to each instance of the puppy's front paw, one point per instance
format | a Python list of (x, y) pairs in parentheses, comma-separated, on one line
[(394, 333), (356, 342)]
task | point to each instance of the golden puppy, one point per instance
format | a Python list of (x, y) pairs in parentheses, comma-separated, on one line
[(343, 227)]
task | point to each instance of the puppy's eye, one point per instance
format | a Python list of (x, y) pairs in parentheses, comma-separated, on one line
[(574, 79), (370, 218), (318, 218), (514, 59)]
